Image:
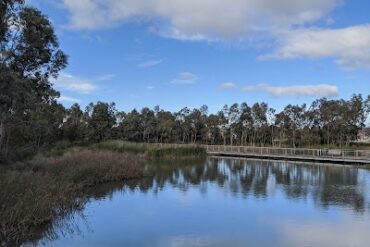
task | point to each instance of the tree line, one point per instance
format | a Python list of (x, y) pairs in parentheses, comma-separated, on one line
[(324, 122), (31, 117)]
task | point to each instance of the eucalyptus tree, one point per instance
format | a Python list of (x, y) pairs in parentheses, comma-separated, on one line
[(29, 57), (203, 128), (74, 127), (149, 124), (245, 126), (295, 117), (166, 126), (259, 114), (131, 127), (232, 115), (271, 119), (101, 118), (198, 128), (184, 122), (214, 123)]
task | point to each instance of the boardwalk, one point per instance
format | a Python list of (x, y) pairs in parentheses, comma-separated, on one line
[(313, 155)]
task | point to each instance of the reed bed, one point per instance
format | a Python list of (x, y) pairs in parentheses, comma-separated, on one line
[(42, 190), (157, 151)]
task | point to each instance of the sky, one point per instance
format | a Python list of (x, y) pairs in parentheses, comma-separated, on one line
[(177, 53)]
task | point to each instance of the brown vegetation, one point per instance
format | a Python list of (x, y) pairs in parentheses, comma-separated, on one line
[(154, 151), (42, 190)]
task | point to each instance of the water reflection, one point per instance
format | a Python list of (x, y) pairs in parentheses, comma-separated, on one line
[(325, 184), (212, 202)]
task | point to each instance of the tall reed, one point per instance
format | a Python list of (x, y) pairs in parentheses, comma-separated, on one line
[(42, 190), (164, 151)]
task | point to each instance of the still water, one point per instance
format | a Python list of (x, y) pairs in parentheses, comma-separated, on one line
[(227, 202)]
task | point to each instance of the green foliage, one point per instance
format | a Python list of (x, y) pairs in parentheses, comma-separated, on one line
[(29, 56), (100, 119)]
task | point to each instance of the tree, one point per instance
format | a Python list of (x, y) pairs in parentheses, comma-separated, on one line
[(131, 126), (101, 119), (233, 115), (184, 123), (259, 114), (214, 125), (149, 123), (74, 126), (294, 119), (165, 127), (29, 56)]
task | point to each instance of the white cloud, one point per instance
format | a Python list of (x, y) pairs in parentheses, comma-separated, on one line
[(248, 20), (185, 78), (349, 46), (187, 75), (68, 99), (150, 87), (322, 90), (106, 77), (227, 85), (329, 21), (74, 84), (169, 32), (195, 18), (149, 63)]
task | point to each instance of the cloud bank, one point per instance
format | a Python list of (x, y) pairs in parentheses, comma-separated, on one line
[(284, 23), (74, 84), (322, 90), (192, 18), (349, 46)]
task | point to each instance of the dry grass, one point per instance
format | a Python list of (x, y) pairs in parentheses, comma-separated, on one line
[(42, 190), (156, 151)]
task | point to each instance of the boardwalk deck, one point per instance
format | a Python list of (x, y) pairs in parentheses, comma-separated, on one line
[(361, 157)]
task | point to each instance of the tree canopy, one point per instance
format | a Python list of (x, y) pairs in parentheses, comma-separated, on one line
[(29, 57)]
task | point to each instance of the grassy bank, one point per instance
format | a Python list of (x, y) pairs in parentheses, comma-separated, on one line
[(156, 151), (48, 187), (40, 191)]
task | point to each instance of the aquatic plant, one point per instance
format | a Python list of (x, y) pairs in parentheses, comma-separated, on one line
[(40, 191)]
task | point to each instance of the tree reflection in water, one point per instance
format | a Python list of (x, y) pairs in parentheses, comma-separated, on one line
[(325, 185)]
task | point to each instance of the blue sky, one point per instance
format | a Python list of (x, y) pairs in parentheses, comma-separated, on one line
[(177, 53)]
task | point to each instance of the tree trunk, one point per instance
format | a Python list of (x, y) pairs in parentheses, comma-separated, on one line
[(2, 136), (231, 136), (242, 139)]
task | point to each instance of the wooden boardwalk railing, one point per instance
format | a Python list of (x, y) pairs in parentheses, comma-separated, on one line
[(324, 155), (302, 154)]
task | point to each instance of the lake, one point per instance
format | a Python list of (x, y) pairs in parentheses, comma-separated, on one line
[(226, 202)]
